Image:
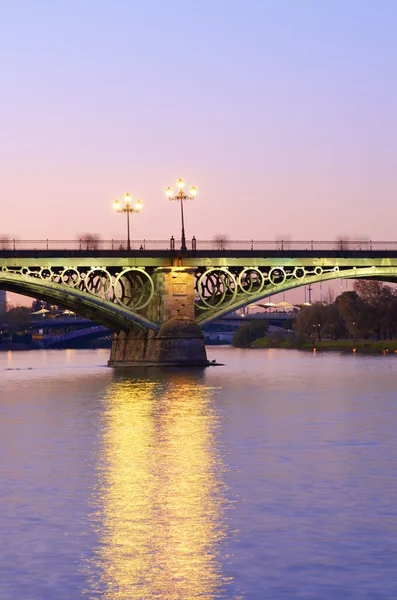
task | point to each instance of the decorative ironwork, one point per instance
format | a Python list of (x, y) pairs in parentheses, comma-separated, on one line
[(220, 287), (119, 293), (130, 287), (216, 287)]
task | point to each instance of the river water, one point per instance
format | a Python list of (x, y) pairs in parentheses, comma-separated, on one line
[(272, 477)]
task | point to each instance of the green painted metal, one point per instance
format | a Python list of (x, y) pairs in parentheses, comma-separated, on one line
[(198, 259), (101, 310), (116, 290), (241, 300)]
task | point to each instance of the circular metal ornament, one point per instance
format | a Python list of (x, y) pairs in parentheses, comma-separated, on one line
[(98, 282), (70, 277), (217, 283), (277, 275), (299, 272), (254, 288), (133, 288), (46, 273)]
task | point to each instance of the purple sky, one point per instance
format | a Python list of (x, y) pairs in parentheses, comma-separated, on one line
[(283, 114)]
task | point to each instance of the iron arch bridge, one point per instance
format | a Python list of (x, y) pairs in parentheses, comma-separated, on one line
[(221, 291), (123, 290), (111, 297)]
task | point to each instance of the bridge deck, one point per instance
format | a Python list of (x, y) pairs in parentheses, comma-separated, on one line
[(169, 254), (198, 258)]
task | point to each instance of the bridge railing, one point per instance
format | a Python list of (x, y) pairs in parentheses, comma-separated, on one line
[(217, 243), (81, 244)]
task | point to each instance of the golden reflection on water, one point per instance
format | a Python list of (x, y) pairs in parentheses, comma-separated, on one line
[(159, 503)]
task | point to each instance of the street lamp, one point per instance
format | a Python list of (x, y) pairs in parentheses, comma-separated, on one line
[(128, 209), (181, 196)]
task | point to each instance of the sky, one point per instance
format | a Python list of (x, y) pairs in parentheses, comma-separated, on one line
[(282, 113)]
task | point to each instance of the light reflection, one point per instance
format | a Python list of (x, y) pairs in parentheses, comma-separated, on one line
[(159, 505)]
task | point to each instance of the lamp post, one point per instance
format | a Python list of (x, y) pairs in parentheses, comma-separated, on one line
[(128, 209), (181, 196)]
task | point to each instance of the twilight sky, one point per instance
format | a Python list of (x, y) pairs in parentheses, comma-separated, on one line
[(282, 112)]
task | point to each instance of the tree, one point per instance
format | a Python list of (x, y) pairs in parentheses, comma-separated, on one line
[(369, 290), (380, 300), (319, 320), (334, 325), (371, 309), (354, 312), (17, 318), (249, 332), (392, 316), (38, 305)]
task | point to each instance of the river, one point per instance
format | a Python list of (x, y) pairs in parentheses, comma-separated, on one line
[(272, 477)]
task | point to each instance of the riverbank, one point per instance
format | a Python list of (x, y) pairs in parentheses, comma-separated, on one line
[(14, 346), (66, 345), (369, 346)]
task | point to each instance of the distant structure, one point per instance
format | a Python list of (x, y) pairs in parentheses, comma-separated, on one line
[(3, 300)]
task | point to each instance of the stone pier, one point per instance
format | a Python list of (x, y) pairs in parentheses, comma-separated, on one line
[(179, 340)]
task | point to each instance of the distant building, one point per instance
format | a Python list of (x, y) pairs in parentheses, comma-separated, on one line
[(3, 299)]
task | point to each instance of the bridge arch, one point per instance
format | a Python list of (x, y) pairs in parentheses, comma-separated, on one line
[(240, 299), (113, 316)]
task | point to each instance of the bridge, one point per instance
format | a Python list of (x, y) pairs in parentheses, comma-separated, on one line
[(157, 299), (64, 340)]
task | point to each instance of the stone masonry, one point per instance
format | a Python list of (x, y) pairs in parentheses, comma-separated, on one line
[(179, 340)]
